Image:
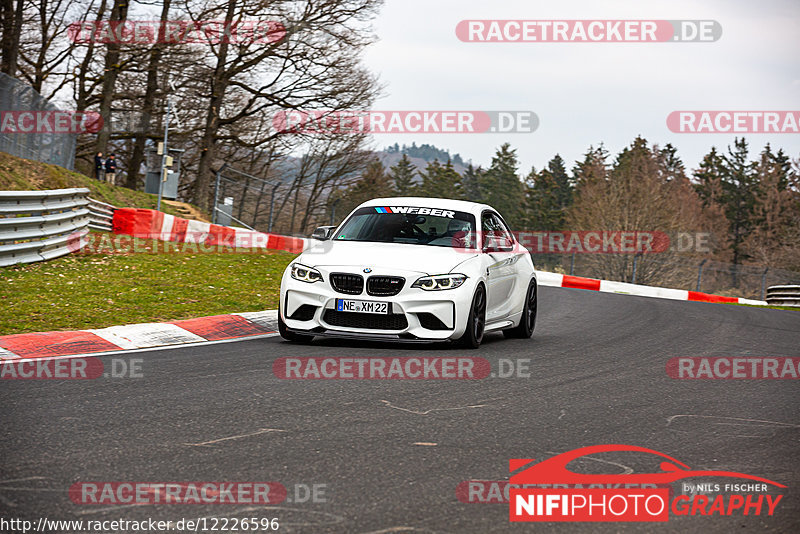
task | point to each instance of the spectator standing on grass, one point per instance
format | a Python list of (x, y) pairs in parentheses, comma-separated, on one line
[(111, 168), (98, 166)]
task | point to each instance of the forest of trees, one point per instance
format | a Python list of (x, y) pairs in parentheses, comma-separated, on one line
[(225, 96), (749, 206), (225, 93)]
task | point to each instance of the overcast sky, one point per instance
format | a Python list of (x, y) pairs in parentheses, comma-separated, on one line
[(587, 93)]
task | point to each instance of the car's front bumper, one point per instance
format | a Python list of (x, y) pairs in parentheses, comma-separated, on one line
[(416, 315)]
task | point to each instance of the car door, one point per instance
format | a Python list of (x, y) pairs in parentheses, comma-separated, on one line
[(500, 263)]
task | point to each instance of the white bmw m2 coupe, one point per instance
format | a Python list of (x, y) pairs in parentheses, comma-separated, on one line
[(411, 269)]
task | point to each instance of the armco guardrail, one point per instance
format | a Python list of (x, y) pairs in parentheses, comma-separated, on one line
[(101, 215), (40, 225), (784, 296)]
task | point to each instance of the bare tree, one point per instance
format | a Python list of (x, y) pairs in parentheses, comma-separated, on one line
[(148, 100), (12, 31), (45, 49), (112, 66), (315, 65)]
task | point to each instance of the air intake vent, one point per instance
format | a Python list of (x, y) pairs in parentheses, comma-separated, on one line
[(372, 321), (352, 284), (431, 322), (304, 313), (384, 286)]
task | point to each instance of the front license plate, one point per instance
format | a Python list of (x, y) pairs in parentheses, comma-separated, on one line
[(361, 306)]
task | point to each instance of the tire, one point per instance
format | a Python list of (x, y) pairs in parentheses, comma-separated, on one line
[(476, 322), (291, 336), (527, 321)]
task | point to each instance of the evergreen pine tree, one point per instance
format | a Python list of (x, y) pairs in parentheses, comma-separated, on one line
[(471, 181), (739, 183), (373, 183), (500, 186), (441, 181), (402, 175)]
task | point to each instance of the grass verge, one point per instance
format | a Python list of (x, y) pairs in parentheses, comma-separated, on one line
[(769, 307), (94, 290)]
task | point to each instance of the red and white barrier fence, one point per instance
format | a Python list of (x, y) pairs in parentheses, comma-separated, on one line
[(237, 325), (607, 286), (152, 224), (157, 225)]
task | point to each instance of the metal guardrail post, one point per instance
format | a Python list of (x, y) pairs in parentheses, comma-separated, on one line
[(40, 225), (700, 275), (786, 295), (101, 215)]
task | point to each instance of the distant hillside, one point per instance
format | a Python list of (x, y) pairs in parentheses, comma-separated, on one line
[(18, 174), (420, 156)]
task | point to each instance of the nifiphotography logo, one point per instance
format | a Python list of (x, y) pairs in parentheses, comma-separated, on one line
[(549, 491)]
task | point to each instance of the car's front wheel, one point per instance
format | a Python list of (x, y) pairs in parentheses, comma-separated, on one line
[(289, 335), (476, 322), (527, 321)]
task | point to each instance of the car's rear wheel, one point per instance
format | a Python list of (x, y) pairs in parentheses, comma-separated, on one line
[(289, 335), (527, 322), (476, 322)]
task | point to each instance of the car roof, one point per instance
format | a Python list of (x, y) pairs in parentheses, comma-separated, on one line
[(440, 203)]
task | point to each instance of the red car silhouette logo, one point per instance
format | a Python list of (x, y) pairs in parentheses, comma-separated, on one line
[(554, 470)]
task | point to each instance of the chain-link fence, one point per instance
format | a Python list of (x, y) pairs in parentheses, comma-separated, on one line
[(695, 274), (50, 147), (246, 199)]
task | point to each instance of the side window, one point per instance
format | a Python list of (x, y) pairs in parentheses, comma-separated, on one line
[(487, 229), (495, 234), (508, 238)]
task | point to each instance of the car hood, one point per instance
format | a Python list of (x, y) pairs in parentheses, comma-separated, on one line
[(418, 258)]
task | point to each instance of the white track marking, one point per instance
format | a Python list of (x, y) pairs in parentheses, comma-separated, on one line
[(426, 412), (148, 349), (240, 436), (21, 480), (266, 319), (6, 355), (138, 336), (745, 422)]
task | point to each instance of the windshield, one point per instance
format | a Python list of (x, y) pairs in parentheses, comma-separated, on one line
[(412, 225)]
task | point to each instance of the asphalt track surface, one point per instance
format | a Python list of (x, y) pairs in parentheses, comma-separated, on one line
[(597, 376)]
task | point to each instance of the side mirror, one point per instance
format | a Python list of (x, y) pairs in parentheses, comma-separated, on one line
[(323, 233)]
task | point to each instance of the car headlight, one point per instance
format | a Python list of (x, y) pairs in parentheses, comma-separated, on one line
[(305, 274), (440, 281)]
